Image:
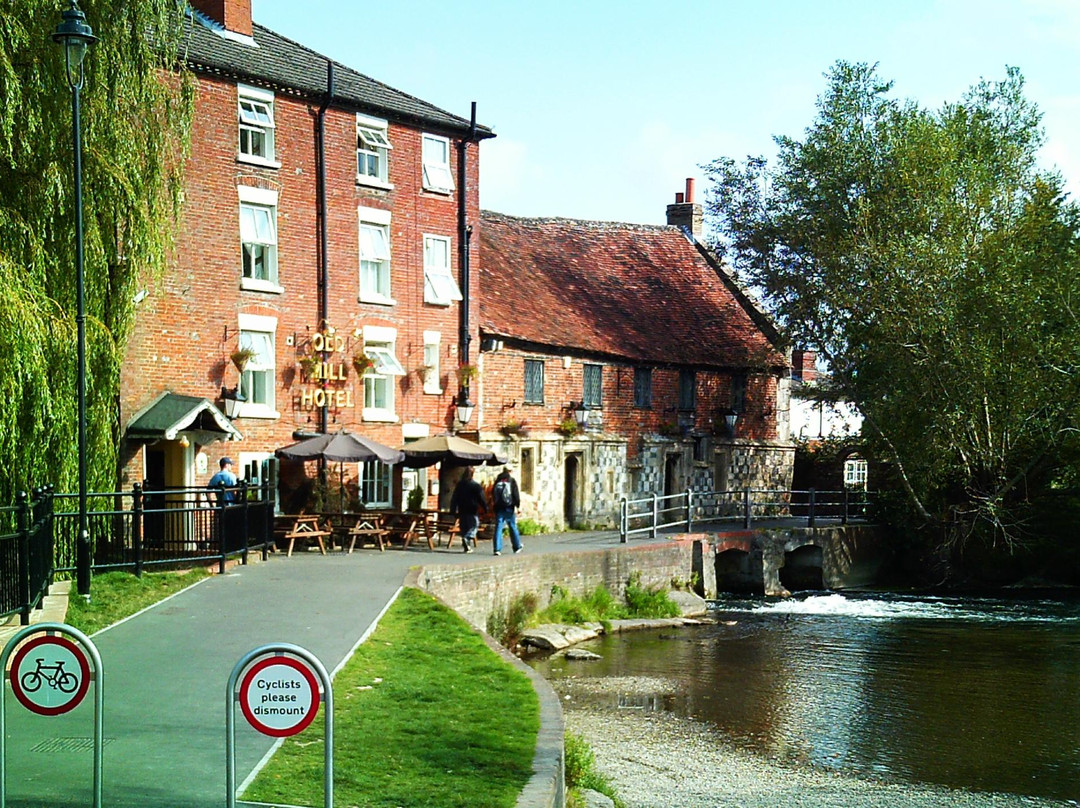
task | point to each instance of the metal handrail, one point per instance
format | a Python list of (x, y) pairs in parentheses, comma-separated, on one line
[(745, 505)]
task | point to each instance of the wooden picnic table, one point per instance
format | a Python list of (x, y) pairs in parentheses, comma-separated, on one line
[(306, 528)]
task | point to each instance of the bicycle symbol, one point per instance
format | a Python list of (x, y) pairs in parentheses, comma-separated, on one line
[(54, 675)]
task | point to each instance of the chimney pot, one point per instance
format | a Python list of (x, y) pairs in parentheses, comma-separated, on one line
[(679, 198), (690, 190)]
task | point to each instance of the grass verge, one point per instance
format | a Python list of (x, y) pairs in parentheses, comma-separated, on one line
[(425, 715), (116, 595)]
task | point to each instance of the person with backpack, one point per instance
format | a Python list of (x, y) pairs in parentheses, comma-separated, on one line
[(505, 500)]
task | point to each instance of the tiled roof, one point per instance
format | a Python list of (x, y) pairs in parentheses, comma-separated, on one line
[(638, 292), (286, 66)]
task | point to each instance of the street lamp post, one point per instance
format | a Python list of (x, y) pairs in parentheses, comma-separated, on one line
[(75, 36)]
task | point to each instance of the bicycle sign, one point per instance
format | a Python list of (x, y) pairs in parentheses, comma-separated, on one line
[(50, 675)]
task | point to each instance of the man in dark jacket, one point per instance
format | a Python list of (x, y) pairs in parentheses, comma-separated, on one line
[(467, 501), (506, 499)]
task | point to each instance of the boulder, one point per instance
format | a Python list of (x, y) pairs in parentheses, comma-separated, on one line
[(581, 654), (554, 637), (594, 799)]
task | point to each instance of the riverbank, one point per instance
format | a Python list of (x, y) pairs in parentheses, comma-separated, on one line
[(658, 760)]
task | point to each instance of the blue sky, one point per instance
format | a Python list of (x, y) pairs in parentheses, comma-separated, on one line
[(603, 108)]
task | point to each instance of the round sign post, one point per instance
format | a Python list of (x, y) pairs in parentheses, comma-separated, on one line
[(278, 688), (51, 667)]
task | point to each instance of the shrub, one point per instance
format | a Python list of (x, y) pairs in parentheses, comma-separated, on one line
[(530, 527), (650, 601), (507, 624)]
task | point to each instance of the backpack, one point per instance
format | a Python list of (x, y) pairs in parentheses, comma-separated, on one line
[(503, 495)]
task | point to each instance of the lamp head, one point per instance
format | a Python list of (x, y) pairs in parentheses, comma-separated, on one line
[(464, 409), (75, 36)]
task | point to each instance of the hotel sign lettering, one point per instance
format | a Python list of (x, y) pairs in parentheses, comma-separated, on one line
[(325, 376)]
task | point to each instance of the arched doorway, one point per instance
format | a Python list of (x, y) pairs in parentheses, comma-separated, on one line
[(571, 489)]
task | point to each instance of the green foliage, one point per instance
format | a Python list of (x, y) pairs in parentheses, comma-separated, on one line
[(425, 714), (416, 498), (530, 527), (935, 268), (600, 606), (580, 768), (135, 117), (507, 625), (651, 601)]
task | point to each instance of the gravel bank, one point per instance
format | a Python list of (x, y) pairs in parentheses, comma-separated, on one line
[(657, 760)]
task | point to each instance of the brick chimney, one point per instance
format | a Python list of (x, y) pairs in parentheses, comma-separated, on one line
[(234, 15), (685, 212), (804, 365)]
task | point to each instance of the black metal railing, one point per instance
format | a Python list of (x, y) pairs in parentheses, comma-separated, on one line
[(142, 528), (745, 506), (26, 553)]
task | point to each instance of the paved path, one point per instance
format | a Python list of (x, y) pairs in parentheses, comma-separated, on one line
[(166, 672)]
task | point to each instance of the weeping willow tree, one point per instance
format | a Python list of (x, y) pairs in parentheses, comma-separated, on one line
[(136, 109)]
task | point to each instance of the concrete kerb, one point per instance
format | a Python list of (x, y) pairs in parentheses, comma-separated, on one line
[(53, 610)]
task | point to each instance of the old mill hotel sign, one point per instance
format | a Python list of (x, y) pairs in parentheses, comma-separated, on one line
[(325, 375)]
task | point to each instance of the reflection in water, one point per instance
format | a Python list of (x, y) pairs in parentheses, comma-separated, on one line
[(974, 694)]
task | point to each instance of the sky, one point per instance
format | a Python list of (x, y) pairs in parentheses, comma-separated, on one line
[(603, 108)]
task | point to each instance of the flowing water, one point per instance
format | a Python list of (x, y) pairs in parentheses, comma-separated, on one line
[(967, 693)]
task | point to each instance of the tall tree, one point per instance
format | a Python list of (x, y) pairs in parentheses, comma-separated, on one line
[(136, 106), (935, 267)]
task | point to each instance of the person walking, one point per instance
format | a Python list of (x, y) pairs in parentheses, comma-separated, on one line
[(467, 502), (506, 499)]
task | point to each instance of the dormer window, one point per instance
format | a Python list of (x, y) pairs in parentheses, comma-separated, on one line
[(256, 120), (436, 159), (372, 151)]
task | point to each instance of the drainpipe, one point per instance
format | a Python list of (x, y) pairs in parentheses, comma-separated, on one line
[(324, 258), (464, 239)]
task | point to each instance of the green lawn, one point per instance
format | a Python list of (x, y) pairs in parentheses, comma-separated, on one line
[(425, 715), (116, 595)]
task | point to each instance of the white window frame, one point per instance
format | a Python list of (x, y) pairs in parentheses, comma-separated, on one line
[(435, 157), (260, 198), (255, 114), (379, 220), (440, 288), (380, 347), (433, 380), (856, 472), (385, 479), (256, 323), (373, 138)]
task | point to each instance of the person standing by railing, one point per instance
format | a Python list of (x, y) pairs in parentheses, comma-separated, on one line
[(224, 481)]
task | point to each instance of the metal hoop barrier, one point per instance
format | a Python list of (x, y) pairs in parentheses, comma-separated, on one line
[(278, 688), (54, 688)]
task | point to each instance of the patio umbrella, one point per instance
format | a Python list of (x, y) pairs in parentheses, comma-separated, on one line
[(449, 449), (341, 447)]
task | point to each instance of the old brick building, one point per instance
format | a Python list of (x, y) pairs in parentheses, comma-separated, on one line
[(641, 330), (319, 264)]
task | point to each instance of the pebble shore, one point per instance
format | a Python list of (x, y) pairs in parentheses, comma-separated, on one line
[(658, 760)]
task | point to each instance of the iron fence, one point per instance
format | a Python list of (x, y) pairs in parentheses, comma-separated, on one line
[(649, 514), (141, 528), (26, 552)]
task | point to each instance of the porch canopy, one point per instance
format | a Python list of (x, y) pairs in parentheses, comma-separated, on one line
[(171, 414), (451, 450)]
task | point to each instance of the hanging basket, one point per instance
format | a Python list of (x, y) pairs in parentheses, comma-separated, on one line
[(241, 356), (362, 363)]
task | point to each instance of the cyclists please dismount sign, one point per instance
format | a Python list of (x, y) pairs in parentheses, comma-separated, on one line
[(50, 675), (279, 696)]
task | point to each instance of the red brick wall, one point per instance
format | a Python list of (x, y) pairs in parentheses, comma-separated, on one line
[(503, 384), (187, 326)]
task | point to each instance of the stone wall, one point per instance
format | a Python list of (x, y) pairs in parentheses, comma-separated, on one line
[(476, 590)]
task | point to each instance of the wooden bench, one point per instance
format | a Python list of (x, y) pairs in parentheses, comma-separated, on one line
[(368, 526), (307, 529), (441, 523)]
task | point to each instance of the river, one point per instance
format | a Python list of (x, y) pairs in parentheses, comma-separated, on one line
[(979, 695)]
